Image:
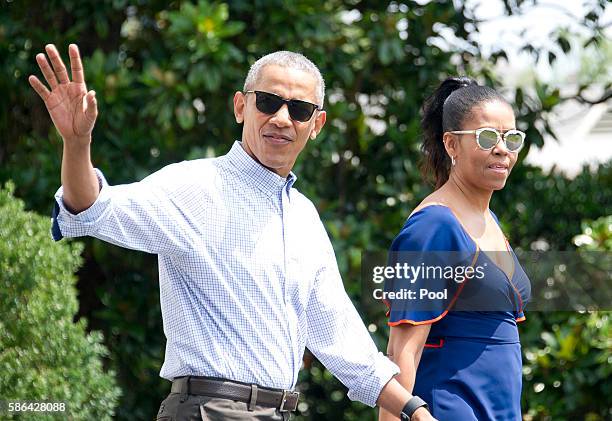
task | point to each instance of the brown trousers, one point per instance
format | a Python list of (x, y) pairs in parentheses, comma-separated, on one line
[(205, 408)]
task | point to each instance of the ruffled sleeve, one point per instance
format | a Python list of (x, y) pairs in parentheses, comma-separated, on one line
[(430, 259)]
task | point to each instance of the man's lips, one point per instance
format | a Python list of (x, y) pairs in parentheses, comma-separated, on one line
[(277, 137)]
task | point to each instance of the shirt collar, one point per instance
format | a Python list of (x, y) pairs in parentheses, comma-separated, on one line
[(265, 180)]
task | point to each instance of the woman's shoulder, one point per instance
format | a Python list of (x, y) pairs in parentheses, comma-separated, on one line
[(434, 216), (431, 226)]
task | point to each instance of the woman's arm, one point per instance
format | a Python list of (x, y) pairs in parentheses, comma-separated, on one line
[(405, 347)]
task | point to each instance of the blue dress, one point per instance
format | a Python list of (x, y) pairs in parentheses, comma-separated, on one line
[(471, 366)]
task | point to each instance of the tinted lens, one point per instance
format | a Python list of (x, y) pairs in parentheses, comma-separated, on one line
[(301, 110), (487, 139), (267, 103), (514, 141)]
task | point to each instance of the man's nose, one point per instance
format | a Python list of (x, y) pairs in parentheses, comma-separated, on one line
[(281, 118)]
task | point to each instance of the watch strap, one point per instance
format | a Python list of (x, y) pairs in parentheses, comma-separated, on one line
[(411, 406)]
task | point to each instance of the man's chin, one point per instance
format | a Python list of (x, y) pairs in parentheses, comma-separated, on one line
[(280, 168)]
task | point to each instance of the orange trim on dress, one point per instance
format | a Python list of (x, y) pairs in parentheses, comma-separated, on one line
[(441, 316), (438, 345), (424, 322), (518, 294), (384, 300)]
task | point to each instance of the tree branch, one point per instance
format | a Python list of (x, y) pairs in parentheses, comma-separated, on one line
[(580, 98)]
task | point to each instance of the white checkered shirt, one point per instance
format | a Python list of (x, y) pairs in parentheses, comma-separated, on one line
[(247, 273)]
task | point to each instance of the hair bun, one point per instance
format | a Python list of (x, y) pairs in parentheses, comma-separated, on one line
[(466, 81), (458, 82)]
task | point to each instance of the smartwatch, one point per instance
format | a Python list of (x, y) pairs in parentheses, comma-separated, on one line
[(412, 405)]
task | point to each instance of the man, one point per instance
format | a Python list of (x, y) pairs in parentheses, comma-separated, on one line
[(248, 277)]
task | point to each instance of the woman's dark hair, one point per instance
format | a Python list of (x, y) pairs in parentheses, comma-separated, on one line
[(445, 110)]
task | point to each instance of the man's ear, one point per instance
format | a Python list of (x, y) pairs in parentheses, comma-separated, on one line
[(319, 123), (239, 106)]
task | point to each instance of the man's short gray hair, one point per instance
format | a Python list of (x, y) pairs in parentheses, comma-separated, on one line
[(290, 60)]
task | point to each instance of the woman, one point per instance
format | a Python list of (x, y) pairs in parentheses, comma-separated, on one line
[(461, 353)]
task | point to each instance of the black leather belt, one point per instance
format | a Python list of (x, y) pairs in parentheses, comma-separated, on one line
[(283, 400)]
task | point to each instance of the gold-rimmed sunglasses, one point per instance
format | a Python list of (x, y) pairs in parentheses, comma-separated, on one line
[(487, 138)]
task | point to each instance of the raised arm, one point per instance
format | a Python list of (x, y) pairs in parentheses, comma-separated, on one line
[(73, 111)]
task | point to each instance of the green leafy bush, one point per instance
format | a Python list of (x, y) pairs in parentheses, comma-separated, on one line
[(44, 354), (568, 355)]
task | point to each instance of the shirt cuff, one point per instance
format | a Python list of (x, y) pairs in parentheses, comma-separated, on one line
[(67, 224), (369, 389)]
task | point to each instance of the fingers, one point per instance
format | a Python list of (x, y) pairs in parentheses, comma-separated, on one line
[(75, 64), (39, 87), (46, 70), (57, 74), (57, 63), (92, 106)]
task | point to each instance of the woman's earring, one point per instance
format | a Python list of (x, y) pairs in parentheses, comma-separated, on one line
[(453, 161)]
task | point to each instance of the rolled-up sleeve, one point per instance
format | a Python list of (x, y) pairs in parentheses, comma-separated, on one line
[(339, 339), (68, 224), (146, 216)]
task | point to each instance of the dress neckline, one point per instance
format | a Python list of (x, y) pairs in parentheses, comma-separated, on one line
[(468, 235)]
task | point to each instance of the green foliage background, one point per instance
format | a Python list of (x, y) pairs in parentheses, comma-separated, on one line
[(44, 355), (165, 72)]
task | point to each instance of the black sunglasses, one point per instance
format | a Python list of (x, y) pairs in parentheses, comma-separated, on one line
[(269, 103)]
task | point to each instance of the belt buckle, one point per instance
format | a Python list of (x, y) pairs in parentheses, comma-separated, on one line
[(286, 393)]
